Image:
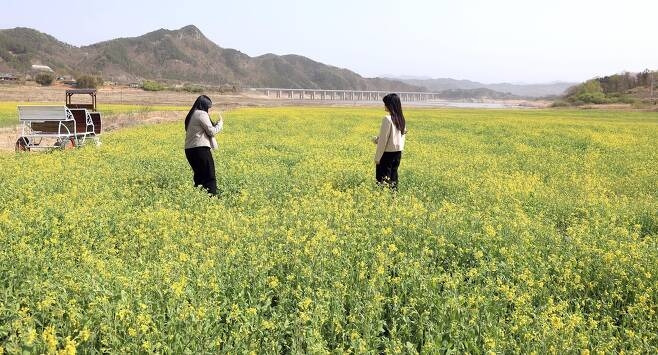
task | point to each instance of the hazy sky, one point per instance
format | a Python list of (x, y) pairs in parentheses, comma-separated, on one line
[(483, 40)]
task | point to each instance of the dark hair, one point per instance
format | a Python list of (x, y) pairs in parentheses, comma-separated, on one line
[(392, 103), (202, 103)]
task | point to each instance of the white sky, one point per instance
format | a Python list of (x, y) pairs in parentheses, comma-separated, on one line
[(488, 41)]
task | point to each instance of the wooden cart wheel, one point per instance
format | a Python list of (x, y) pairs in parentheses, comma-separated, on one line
[(22, 144), (66, 144)]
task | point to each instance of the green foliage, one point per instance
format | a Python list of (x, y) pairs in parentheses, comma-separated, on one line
[(621, 98), (196, 89), (513, 231), (89, 81), (44, 79), (589, 92), (153, 86)]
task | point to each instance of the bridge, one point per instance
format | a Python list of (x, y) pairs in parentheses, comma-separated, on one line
[(342, 95)]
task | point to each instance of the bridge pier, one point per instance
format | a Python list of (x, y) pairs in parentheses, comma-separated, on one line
[(344, 95)]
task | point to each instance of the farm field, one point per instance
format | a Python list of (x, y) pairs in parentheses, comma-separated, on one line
[(9, 111), (513, 231)]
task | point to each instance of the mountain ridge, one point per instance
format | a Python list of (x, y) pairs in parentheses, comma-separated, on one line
[(182, 55), (524, 90)]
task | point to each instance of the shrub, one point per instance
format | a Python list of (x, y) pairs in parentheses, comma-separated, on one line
[(560, 103), (152, 86), (44, 79), (592, 98), (89, 81), (193, 89)]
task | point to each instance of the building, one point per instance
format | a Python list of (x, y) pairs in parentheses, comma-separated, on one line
[(43, 68), (8, 77), (67, 80)]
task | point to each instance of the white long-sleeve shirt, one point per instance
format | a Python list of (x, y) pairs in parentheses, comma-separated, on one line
[(200, 130), (390, 139)]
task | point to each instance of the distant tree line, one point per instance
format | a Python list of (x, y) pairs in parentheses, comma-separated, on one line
[(630, 88), (479, 93)]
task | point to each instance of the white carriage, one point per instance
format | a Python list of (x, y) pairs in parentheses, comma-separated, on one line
[(55, 126)]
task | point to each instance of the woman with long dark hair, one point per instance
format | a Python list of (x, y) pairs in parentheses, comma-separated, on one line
[(199, 138), (390, 142)]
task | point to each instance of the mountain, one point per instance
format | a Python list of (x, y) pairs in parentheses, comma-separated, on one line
[(22, 47), (525, 90), (183, 55)]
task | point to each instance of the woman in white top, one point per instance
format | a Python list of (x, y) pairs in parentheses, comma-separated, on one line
[(390, 142), (199, 138)]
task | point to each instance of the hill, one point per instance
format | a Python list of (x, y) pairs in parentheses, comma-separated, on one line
[(629, 88), (183, 55), (525, 90)]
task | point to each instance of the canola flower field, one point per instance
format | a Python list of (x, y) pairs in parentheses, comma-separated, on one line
[(513, 231)]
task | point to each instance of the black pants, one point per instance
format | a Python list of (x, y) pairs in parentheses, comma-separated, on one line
[(203, 165), (387, 169)]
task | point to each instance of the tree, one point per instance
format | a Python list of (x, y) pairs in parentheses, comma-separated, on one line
[(44, 79), (644, 78)]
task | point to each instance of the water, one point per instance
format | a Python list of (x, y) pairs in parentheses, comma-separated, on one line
[(447, 103), (460, 104)]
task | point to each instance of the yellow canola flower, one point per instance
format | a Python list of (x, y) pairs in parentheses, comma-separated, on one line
[(521, 231), (50, 338), (70, 347)]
